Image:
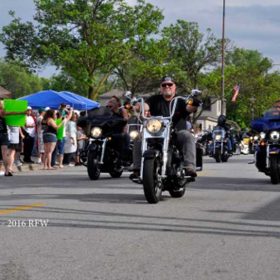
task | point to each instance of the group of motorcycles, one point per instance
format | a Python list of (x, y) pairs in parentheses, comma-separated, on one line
[(162, 162), (265, 145)]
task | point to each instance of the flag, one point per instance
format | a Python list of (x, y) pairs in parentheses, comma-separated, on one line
[(235, 93)]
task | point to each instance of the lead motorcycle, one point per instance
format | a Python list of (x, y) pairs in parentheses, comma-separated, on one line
[(162, 162)]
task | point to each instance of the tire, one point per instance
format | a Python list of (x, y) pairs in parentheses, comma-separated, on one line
[(177, 193), (152, 187), (116, 173), (92, 166), (275, 170), (217, 156), (224, 158)]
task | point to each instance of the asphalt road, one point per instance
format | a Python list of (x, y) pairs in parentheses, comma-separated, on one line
[(60, 225)]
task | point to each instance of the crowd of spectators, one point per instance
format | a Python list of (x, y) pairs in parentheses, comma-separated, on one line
[(49, 138)]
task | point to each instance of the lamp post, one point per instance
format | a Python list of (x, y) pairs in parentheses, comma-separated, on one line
[(223, 63)]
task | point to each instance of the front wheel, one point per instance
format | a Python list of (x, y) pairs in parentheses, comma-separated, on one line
[(152, 183), (218, 156), (92, 166), (275, 170)]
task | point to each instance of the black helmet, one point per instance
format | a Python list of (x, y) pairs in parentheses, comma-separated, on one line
[(222, 120)]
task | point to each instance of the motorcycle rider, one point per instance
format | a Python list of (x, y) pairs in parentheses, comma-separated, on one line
[(222, 123), (121, 140), (159, 105)]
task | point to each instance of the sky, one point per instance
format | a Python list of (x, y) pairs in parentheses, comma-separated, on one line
[(250, 24)]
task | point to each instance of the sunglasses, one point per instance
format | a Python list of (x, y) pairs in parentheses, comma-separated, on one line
[(167, 85)]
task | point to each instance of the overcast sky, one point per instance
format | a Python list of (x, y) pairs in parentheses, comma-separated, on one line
[(251, 24)]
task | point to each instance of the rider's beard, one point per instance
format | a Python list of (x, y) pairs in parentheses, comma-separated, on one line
[(167, 95)]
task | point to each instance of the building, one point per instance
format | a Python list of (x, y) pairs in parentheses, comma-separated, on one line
[(5, 93), (212, 109)]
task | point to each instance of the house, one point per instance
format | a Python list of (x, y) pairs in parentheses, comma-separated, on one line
[(5, 93), (212, 109)]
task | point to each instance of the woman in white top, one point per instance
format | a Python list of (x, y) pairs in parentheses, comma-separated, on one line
[(70, 146)]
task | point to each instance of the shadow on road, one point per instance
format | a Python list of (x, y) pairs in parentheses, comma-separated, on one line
[(150, 223)]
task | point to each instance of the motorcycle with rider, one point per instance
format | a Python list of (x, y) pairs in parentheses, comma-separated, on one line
[(166, 157), (221, 146), (267, 154)]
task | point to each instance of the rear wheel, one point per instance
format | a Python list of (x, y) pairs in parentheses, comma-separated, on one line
[(116, 173), (224, 158), (152, 183), (92, 166), (177, 193), (275, 170)]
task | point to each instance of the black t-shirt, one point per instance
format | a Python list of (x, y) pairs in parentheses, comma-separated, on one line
[(160, 107)]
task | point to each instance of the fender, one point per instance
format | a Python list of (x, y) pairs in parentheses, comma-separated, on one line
[(149, 154)]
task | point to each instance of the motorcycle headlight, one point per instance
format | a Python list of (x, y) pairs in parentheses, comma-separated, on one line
[(154, 126), (218, 137), (274, 135), (256, 137), (96, 132), (133, 134), (262, 135)]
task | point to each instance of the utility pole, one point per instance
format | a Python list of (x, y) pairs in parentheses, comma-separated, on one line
[(223, 63)]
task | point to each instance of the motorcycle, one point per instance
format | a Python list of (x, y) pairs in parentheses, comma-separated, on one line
[(104, 133), (268, 151), (254, 141), (219, 145), (161, 167)]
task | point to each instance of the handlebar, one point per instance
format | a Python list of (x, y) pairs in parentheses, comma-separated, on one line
[(172, 103)]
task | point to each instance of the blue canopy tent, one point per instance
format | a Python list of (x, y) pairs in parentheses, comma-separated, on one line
[(53, 99)]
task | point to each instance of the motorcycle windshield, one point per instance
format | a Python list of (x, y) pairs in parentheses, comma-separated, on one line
[(220, 132)]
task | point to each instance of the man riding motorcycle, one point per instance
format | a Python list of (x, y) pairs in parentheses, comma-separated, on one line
[(159, 105)]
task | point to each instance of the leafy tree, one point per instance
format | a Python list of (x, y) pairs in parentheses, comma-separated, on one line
[(87, 39), (190, 51), (18, 80)]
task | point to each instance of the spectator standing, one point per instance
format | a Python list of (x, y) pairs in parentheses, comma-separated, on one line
[(71, 139), (14, 146), (40, 142), (28, 141), (4, 140)]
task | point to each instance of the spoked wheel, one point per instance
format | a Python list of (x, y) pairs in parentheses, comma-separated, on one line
[(275, 170), (92, 166), (152, 183)]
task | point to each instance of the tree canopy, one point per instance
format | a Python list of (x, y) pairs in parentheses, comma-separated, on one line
[(98, 44)]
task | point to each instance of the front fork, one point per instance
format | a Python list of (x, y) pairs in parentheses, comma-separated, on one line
[(103, 147), (166, 141), (268, 153)]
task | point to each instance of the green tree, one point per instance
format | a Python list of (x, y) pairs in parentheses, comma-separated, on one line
[(18, 80), (190, 51), (87, 39)]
